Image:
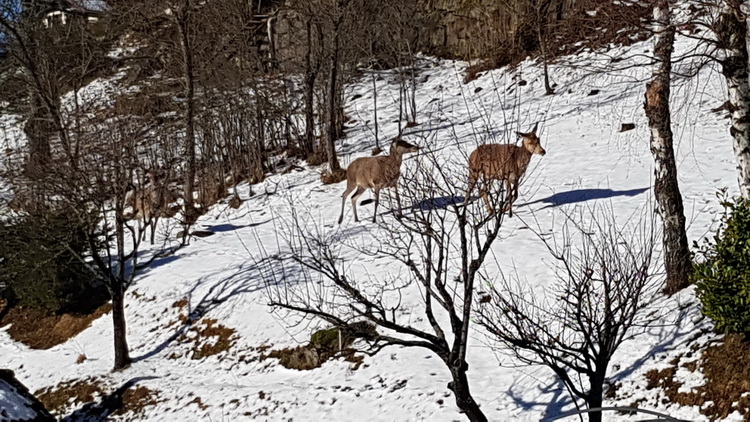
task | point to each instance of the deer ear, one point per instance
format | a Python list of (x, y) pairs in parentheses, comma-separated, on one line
[(522, 135), (535, 126)]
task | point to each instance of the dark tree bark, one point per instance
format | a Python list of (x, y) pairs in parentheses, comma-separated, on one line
[(666, 188), (188, 69), (464, 399), (731, 33), (311, 74), (333, 103), (122, 353)]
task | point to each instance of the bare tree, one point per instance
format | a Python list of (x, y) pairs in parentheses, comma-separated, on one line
[(604, 288), (442, 243), (731, 32), (183, 20), (666, 188)]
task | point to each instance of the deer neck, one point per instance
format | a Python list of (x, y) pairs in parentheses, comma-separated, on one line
[(396, 158), (524, 156)]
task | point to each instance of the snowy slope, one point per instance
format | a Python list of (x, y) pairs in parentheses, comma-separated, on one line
[(588, 162)]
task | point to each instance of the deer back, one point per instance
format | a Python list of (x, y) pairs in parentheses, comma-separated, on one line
[(494, 161), (374, 172)]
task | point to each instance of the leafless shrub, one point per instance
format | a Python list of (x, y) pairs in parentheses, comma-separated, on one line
[(440, 246), (605, 286)]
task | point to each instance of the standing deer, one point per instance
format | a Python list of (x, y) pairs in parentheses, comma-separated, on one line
[(375, 173), (506, 162), (152, 201)]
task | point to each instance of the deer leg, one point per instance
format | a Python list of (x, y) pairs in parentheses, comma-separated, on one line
[(470, 188), (377, 201), (357, 194), (511, 187), (483, 192), (349, 189), (399, 212), (507, 195)]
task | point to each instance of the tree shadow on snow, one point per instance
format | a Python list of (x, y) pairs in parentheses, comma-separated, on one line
[(560, 399), (101, 410), (246, 279), (223, 228), (583, 195), (441, 203)]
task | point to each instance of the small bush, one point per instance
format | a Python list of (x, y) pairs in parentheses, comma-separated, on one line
[(722, 275), (41, 261)]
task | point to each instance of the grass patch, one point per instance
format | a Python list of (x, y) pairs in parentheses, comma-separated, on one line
[(325, 344), (40, 330), (62, 397), (135, 401), (206, 338), (726, 369)]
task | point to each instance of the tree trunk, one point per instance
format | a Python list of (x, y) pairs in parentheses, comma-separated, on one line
[(464, 400), (666, 189), (38, 130), (541, 20), (310, 76), (122, 354), (594, 399), (183, 22), (333, 131), (375, 110), (731, 31)]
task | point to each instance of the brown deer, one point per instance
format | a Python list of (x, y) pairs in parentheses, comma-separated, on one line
[(506, 162), (375, 173), (152, 201)]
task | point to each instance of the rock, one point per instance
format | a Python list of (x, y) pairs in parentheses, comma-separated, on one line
[(627, 126), (19, 404)]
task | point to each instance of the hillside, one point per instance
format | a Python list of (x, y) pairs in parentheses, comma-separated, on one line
[(217, 367)]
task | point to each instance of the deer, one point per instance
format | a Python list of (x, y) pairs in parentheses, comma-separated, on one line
[(152, 201), (375, 173), (504, 162)]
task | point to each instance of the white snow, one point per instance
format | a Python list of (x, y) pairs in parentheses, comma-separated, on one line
[(588, 163)]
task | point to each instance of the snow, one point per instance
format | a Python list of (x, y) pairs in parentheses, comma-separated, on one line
[(589, 163)]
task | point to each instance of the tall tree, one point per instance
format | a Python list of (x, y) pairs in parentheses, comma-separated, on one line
[(666, 188), (731, 35), (183, 21)]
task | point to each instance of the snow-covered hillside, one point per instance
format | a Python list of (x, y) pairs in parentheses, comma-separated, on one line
[(588, 162)]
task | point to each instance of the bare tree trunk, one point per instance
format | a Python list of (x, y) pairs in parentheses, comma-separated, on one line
[(595, 394), (183, 23), (731, 32), (375, 110), (122, 354), (333, 131), (464, 399), (310, 76), (666, 189), (540, 18), (37, 131)]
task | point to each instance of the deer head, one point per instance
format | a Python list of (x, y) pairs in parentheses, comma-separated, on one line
[(532, 142)]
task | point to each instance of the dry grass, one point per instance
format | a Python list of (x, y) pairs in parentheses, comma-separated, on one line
[(726, 368), (60, 398), (206, 338), (197, 401), (40, 330), (317, 158), (330, 177), (136, 401), (324, 345)]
